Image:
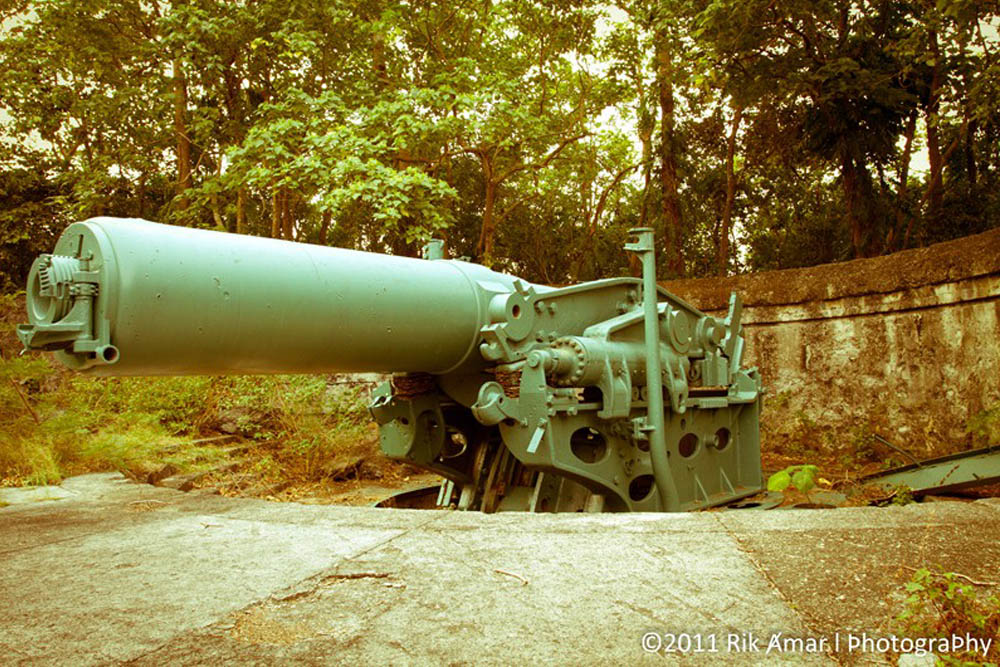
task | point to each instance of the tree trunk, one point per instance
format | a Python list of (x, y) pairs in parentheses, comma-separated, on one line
[(646, 124), (849, 177), (933, 137), (287, 228), (722, 258), (858, 198), (485, 245), (241, 211), (585, 248), (935, 184), (904, 176), (140, 195), (180, 129), (971, 170), (324, 227), (276, 214), (670, 202), (217, 212), (380, 71)]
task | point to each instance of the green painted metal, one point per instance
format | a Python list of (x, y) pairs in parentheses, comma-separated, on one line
[(524, 397), (187, 301), (654, 426), (434, 249), (978, 467)]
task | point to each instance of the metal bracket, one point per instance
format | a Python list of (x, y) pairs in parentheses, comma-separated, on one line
[(492, 406)]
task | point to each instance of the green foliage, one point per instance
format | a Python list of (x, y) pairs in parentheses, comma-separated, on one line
[(90, 424), (304, 428), (802, 477), (30, 219), (140, 449), (902, 495), (984, 426), (943, 604), (863, 446), (508, 128)]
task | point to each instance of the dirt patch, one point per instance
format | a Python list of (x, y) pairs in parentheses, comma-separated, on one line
[(257, 626)]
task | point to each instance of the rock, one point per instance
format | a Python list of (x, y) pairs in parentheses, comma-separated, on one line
[(181, 482), (914, 660), (238, 421), (166, 471), (928, 498)]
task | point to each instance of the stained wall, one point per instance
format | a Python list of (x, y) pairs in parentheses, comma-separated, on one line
[(905, 346)]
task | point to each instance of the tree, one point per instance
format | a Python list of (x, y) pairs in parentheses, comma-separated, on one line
[(840, 58), (530, 134)]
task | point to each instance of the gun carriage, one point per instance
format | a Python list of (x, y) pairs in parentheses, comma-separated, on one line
[(610, 395)]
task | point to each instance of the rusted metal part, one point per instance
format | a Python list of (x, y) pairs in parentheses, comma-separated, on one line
[(766, 501), (412, 385), (978, 467), (510, 381), (896, 449)]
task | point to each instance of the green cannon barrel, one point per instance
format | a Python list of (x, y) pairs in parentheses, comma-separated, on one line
[(131, 297)]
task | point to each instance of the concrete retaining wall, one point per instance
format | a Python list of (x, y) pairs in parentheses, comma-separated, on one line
[(905, 346)]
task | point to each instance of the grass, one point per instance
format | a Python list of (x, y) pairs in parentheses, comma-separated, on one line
[(285, 429)]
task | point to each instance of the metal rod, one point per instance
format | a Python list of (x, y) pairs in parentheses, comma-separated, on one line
[(896, 449), (665, 486)]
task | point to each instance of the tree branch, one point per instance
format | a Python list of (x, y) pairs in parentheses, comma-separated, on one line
[(603, 199), (517, 202), (544, 162)]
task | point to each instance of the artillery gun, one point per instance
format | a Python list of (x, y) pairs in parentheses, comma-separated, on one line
[(611, 395)]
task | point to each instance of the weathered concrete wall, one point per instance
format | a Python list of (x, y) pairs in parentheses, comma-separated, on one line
[(906, 346)]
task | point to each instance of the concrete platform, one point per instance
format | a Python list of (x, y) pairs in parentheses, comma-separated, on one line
[(107, 571)]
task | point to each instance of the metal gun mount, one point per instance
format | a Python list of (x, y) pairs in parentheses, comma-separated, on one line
[(609, 395)]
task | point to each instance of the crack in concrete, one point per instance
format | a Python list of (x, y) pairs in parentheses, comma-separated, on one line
[(683, 603), (401, 533), (303, 588), (809, 623)]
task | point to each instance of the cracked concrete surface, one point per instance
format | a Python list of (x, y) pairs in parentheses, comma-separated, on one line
[(117, 572)]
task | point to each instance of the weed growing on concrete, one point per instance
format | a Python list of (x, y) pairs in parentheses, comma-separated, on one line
[(902, 495), (802, 477), (778, 401), (862, 444), (944, 604)]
